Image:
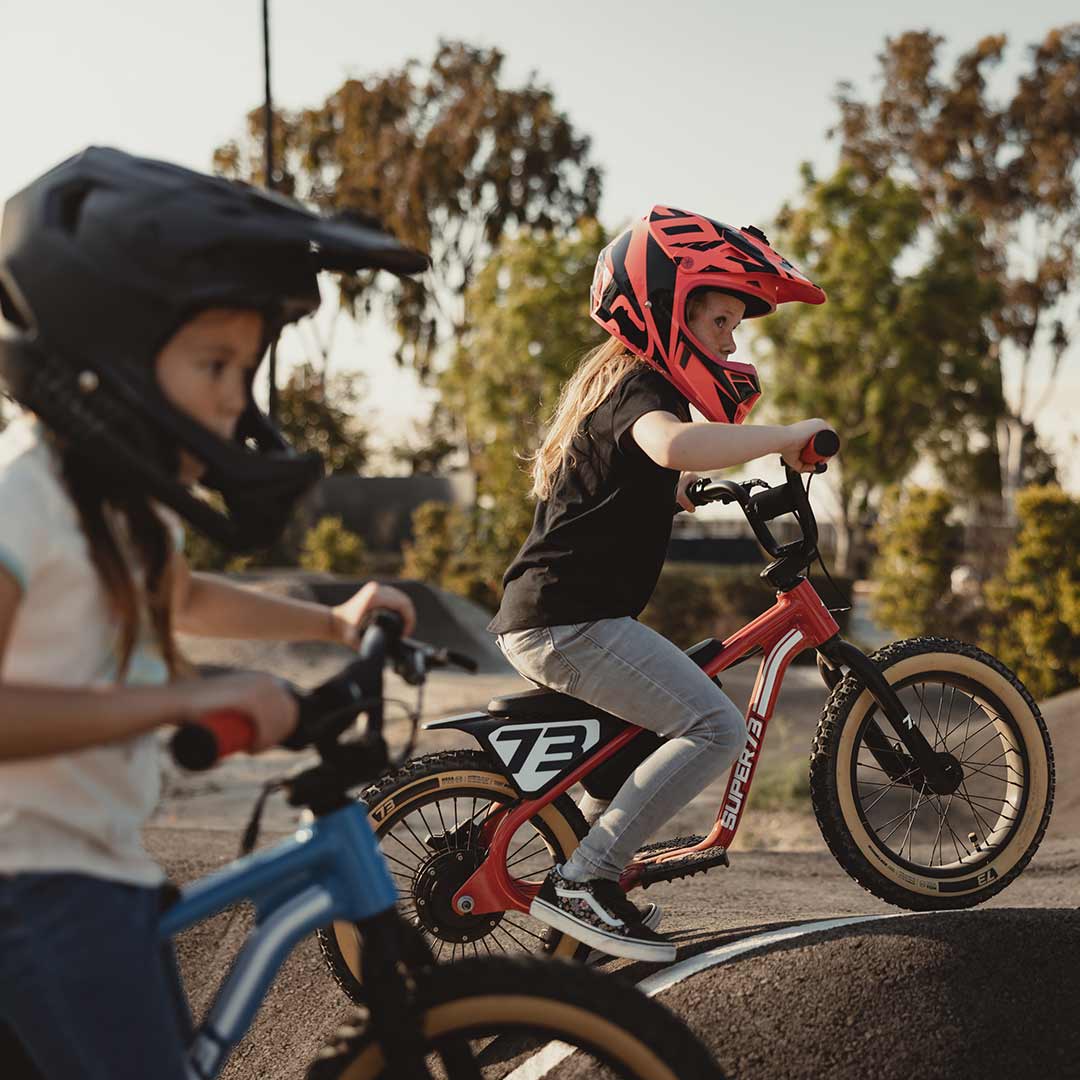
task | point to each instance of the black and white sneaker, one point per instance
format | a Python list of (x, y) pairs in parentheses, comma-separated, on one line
[(598, 913)]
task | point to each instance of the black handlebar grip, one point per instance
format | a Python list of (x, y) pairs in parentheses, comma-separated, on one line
[(467, 663)]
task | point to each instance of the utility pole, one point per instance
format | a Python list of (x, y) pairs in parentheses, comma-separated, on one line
[(268, 155)]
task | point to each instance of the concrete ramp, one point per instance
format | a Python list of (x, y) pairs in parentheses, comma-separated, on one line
[(442, 618)]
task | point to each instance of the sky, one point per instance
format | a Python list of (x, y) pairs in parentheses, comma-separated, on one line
[(708, 105)]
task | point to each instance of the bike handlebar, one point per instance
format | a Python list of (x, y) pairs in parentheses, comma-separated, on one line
[(773, 502), (328, 710)]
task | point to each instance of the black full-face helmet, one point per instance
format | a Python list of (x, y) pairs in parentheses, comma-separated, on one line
[(102, 260)]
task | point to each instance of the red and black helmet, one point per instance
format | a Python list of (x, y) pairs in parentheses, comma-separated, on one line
[(645, 276)]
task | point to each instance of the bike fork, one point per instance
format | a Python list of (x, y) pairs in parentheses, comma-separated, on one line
[(393, 1011), (922, 765)]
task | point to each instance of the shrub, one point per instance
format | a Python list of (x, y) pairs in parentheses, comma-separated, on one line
[(444, 552), (1035, 603), (333, 549), (693, 601), (917, 552)]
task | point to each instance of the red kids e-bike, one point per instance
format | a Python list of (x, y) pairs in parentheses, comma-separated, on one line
[(931, 772)]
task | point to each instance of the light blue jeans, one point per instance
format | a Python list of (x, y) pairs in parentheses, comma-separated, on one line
[(628, 670)]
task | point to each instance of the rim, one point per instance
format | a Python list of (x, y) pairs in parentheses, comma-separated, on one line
[(951, 835), (426, 874)]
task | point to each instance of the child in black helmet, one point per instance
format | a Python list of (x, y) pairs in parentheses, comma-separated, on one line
[(137, 300)]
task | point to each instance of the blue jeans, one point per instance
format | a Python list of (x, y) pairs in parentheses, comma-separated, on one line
[(633, 672), (87, 991)]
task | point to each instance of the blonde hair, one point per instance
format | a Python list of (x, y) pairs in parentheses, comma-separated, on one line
[(596, 377)]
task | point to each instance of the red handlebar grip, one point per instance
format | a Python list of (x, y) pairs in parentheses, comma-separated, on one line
[(820, 448), (234, 730)]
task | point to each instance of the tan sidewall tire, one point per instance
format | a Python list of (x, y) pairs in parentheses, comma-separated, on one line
[(1037, 780), (345, 935), (569, 1020)]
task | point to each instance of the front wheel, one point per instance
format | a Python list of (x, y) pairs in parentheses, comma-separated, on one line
[(510, 1009), (895, 837)]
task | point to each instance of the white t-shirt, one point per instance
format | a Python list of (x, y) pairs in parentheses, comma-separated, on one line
[(80, 811)]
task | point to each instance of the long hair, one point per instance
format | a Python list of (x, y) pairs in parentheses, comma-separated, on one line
[(122, 527), (591, 384)]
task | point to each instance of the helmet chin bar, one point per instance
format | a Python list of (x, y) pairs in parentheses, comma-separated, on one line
[(127, 428), (733, 387)]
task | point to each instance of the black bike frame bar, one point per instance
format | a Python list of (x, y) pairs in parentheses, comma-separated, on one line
[(843, 653)]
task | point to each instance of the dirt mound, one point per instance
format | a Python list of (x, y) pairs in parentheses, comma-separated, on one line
[(991, 993), (1062, 714)]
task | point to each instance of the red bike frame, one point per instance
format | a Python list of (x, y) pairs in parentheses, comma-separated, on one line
[(797, 621)]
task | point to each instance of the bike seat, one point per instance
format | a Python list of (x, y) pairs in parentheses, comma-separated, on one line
[(551, 705), (539, 705)]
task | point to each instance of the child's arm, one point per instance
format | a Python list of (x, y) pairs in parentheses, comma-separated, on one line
[(211, 606), (36, 721), (705, 446)]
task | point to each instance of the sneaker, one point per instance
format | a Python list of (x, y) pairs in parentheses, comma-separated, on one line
[(650, 916), (598, 913)]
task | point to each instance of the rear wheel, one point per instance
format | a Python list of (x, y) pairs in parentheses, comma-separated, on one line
[(898, 839), (510, 1010), (428, 818)]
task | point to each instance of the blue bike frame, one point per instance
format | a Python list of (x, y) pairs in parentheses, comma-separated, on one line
[(330, 869)]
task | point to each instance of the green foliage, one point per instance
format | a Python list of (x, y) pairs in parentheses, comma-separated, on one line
[(333, 549), (1035, 604), (694, 601), (448, 157), (783, 786), (316, 412), (528, 325), (917, 552), (527, 328), (444, 552), (202, 553), (896, 358)]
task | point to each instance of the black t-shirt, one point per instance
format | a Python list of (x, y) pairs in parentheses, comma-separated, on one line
[(598, 542)]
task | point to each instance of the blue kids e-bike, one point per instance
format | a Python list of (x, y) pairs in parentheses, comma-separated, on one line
[(466, 1021)]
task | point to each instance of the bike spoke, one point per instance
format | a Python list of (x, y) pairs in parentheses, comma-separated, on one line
[(914, 814), (949, 728), (881, 795), (503, 928), (525, 843), (937, 836), (529, 854), (422, 857), (523, 929), (924, 706), (442, 820), (411, 869)]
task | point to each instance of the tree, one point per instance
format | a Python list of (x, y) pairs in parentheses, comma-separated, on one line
[(528, 326), (318, 412), (896, 358), (1013, 167), (448, 158)]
